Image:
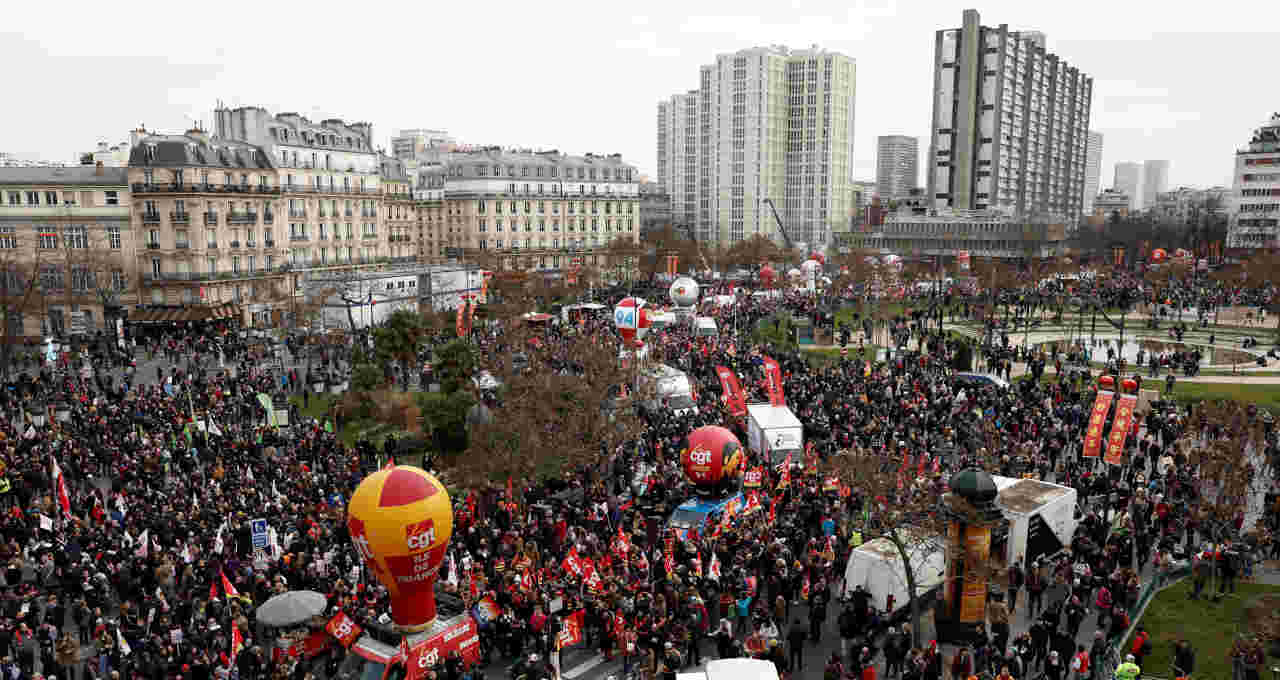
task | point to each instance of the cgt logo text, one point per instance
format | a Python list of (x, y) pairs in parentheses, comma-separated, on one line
[(421, 535), (700, 457)]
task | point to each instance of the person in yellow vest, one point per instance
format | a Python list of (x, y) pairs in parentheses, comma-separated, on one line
[(1128, 670), (855, 539)]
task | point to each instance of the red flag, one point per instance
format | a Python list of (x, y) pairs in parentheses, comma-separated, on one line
[(237, 640), (920, 471), (213, 591), (60, 487), (784, 480), (227, 586), (511, 494), (734, 397), (937, 464), (773, 510)]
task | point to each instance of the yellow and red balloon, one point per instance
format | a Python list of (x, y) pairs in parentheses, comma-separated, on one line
[(711, 455), (400, 520)]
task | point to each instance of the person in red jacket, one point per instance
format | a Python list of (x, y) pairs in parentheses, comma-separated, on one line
[(1141, 645)]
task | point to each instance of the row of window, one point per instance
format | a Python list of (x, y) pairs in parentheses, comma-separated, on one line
[(551, 171), (516, 244), (571, 207), (50, 198), (625, 223), (46, 236), (52, 277)]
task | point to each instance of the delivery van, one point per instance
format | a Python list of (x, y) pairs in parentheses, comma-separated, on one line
[(695, 514), (668, 388), (774, 432)]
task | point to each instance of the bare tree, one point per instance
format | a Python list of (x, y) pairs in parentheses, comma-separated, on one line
[(20, 263)]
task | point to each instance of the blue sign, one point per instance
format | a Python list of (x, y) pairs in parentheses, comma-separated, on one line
[(624, 317), (259, 529)]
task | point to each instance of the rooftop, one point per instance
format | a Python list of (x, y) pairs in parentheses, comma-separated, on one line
[(78, 175), (196, 150)]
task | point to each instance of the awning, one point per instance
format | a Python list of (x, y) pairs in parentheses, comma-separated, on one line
[(226, 310)]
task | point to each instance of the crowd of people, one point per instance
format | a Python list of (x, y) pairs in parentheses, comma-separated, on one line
[(129, 551)]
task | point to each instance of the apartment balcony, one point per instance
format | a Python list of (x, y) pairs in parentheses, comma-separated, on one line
[(368, 237), (120, 212), (180, 217), (266, 189), (182, 245), (268, 218), (297, 214), (242, 218), (299, 237), (151, 218), (268, 244), (250, 244), (235, 245), (211, 219), (211, 246)]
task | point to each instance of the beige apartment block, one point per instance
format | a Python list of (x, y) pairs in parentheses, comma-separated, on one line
[(523, 210), (66, 251)]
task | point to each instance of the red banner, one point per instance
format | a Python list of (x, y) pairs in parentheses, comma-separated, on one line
[(343, 628), (774, 376), (308, 647), (1120, 428), (1097, 420), (462, 637), (753, 478), (463, 324), (571, 633), (582, 569), (734, 397)]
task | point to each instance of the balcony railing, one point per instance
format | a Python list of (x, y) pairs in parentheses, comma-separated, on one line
[(235, 244), (324, 189), (349, 214), (153, 246), (180, 217), (201, 188), (250, 244), (182, 245), (211, 246), (211, 219), (243, 218), (268, 243), (299, 237), (151, 217), (297, 214), (369, 235)]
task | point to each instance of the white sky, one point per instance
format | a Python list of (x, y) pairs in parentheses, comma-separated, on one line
[(1180, 81)]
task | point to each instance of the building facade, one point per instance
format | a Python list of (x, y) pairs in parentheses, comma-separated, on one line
[(428, 198), (1128, 180), (655, 207), (543, 210), (422, 144), (1255, 191), (862, 194), (1092, 171), (981, 234), (1186, 205), (1155, 181), (771, 123), (1111, 202), (897, 160), (1010, 123), (67, 250), (678, 155), (400, 211)]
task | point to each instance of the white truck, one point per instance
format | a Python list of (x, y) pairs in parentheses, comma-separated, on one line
[(877, 566), (773, 432), (1041, 518)]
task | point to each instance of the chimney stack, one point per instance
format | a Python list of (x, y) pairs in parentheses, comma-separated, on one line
[(97, 170)]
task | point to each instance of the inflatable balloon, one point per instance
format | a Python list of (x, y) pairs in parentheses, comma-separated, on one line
[(400, 520), (631, 317), (684, 292), (711, 455), (1107, 382), (1159, 255), (818, 256), (1129, 386)]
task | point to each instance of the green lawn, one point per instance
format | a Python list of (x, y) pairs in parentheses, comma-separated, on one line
[(352, 430), (1210, 628), (1265, 396)]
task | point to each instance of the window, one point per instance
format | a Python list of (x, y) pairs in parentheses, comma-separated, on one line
[(8, 237), (82, 279), (48, 236), (212, 264), (33, 198), (235, 264), (15, 198), (113, 238), (77, 236), (117, 279), (50, 277), (51, 198)]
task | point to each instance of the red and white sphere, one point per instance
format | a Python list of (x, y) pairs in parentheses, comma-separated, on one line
[(1159, 255), (767, 274), (631, 317)]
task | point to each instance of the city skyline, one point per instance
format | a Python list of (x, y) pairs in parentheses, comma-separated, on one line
[(1156, 107)]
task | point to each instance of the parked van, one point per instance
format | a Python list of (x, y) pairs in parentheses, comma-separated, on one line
[(695, 514), (665, 387), (705, 327)]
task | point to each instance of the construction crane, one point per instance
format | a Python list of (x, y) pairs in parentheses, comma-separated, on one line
[(781, 230)]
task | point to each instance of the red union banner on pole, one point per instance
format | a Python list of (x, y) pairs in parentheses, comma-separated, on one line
[(1120, 428), (571, 633), (1097, 419), (462, 637), (753, 478), (733, 395), (774, 375)]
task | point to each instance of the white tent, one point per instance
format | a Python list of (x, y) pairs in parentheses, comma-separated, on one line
[(877, 566), (1041, 517)]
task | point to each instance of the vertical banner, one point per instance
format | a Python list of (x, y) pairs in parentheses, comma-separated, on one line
[(734, 397), (571, 632), (1120, 428), (977, 550), (464, 317), (774, 375), (1097, 420)]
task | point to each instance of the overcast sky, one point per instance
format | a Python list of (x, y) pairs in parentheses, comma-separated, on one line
[(587, 76)]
